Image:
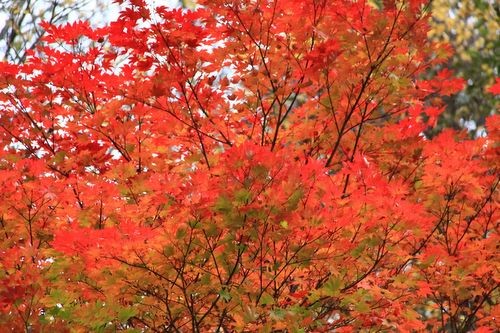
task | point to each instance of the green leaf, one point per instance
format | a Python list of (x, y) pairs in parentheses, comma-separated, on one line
[(362, 307), (181, 233), (266, 299), (242, 196), (249, 314), (223, 205), (126, 313), (225, 295), (168, 250), (259, 171), (59, 157), (130, 148), (356, 252), (278, 314), (294, 199), (211, 229), (332, 286)]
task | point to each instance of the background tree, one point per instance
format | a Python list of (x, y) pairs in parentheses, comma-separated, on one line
[(472, 28)]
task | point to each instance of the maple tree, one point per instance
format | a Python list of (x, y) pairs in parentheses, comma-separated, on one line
[(244, 166)]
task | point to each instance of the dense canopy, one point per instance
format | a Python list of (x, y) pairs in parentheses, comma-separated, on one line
[(244, 166)]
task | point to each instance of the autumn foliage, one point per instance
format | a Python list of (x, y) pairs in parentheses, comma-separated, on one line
[(246, 166)]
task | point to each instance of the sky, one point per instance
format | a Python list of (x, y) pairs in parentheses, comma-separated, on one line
[(110, 10)]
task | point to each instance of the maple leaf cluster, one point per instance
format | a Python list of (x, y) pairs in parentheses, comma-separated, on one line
[(245, 166)]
